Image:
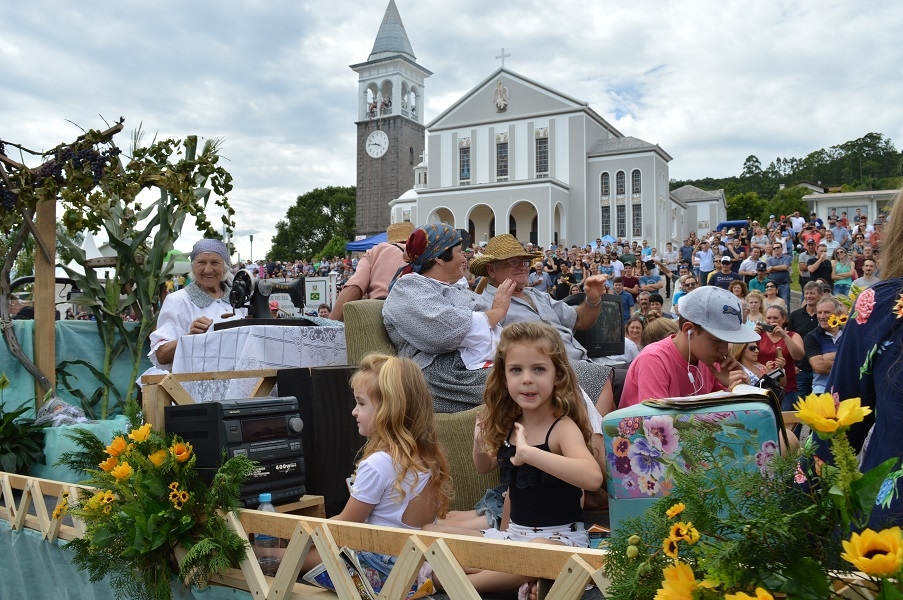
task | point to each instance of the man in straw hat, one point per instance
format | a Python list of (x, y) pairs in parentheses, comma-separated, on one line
[(504, 259), (375, 270)]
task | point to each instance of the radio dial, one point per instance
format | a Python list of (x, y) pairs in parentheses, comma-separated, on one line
[(296, 424)]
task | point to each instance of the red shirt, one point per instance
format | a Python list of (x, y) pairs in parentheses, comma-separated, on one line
[(767, 352)]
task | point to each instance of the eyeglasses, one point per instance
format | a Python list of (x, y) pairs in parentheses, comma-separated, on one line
[(689, 285), (516, 262), (752, 348), (770, 287), (776, 247)]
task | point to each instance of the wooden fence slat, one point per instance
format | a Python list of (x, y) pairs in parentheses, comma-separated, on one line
[(452, 577), (576, 574), (405, 571), (290, 567)]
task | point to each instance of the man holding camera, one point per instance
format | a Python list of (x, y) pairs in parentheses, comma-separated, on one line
[(821, 343)]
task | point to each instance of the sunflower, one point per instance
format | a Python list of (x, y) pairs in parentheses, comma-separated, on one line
[(670, 547), (684, 531), (679, 582), (181, 451), (117, 446), (761, 594), (875, 553), (109, 464), (157, 457), (675, 510), (825, 418), (123, 471), (141, 434), (898, 307), (174, 485)]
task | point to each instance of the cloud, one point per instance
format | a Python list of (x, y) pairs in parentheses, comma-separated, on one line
[(710, 81)]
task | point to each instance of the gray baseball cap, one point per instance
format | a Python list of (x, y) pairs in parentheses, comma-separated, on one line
[(717, 311)]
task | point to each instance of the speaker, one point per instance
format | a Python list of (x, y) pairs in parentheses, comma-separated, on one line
[(331, 441), (534, 238), (465, 236)]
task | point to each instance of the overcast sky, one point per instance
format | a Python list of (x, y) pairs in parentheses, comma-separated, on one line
[(709, 81)]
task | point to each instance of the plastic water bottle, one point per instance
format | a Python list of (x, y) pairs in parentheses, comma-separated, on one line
[(265, 545)]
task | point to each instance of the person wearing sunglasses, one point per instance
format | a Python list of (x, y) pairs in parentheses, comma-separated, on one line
[(748, 357), (842, 272)]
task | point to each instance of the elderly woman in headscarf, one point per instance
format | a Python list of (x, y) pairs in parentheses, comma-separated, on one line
[(197, 306), (433, 317)]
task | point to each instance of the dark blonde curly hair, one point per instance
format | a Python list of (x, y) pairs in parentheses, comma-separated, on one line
[(404, 425), (500, 411)]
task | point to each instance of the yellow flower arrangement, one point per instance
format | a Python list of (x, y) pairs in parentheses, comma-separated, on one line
[(782, 530), (150, 500)]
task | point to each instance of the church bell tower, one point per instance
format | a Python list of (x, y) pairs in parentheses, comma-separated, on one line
[(390, 130)]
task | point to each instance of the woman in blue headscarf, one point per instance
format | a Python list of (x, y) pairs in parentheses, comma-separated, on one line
[(433, 318), (194, 308)]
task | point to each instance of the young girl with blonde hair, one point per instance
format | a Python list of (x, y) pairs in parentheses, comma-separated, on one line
[(402, 478)]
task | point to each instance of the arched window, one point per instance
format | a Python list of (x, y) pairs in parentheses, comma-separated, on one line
[(620, 183), (605, 186), (636, 184)]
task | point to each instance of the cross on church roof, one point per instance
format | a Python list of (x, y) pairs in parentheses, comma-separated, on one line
[(503, 56)]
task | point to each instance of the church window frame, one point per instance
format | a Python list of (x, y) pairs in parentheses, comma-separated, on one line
[(636, 183), (605, 219), (620, 185), (464, 167), (541, 145), (501, 157), (605, 186), (621, 219), (636, 218)]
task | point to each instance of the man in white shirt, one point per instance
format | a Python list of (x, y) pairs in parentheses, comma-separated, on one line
[(798, 222), (748, 267)]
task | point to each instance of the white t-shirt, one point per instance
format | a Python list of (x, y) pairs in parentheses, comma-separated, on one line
[(374, 483)]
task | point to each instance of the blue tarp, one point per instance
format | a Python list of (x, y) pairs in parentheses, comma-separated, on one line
[(734, 224), (366, 243)]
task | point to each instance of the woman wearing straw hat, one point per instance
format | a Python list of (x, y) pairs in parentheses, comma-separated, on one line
[(504, 260), (433, 318)]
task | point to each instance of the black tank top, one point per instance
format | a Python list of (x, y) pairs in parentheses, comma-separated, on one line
[(537, 498)]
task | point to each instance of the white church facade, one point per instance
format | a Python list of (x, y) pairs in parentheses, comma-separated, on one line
[(516, 156)]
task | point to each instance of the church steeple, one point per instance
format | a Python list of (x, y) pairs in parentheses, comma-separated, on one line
[(392, 38), (390, 123)]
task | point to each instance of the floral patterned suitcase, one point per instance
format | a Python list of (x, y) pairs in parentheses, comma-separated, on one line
[(643, 447)]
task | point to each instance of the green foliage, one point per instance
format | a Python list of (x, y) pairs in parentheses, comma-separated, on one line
[(788, 200), (746, 206), (751, 527), (335, 247), (315, 219), (145, 498), (868, 163), (142, 237), (21, 441)]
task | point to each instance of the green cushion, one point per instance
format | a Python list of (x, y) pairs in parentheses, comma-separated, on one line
[(365, 332), (56, 443), (456, 439)]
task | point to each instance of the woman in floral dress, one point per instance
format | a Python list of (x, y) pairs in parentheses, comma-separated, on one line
[(869, 365)]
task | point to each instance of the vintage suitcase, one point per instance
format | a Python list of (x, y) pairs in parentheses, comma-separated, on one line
[(643, 445)]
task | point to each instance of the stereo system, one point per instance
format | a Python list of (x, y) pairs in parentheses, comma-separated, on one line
[(266, 430)]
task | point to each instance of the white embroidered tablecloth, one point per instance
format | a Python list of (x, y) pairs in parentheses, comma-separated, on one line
[(254, 347)]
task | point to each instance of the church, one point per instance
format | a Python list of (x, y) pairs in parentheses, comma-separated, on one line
[(510, 156)]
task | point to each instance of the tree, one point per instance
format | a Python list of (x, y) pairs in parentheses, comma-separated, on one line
[(789, 200), (335, 247), (315, 218), (748, 205)]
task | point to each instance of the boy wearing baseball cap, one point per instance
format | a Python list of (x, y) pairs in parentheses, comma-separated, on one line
[(696, 360)]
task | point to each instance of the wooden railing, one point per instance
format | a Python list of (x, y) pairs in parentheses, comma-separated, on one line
[(571, 569)]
